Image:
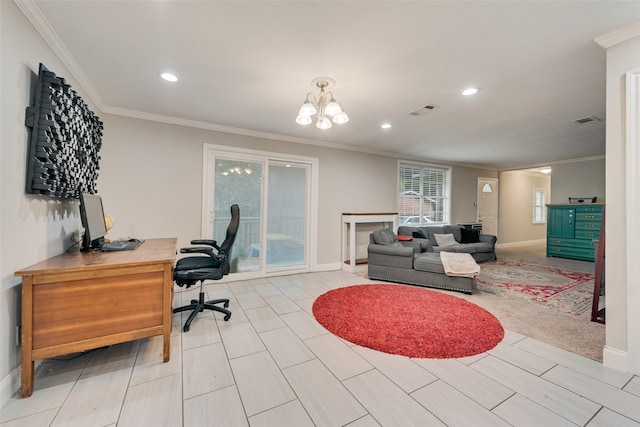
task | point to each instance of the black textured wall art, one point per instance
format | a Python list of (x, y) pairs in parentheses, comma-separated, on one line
[(66, 137)]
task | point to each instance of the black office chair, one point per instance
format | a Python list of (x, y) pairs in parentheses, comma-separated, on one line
[(213, 264)]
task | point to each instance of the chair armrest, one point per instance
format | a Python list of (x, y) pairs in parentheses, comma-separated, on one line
[(205, 242), (488, 238), (198, 250)]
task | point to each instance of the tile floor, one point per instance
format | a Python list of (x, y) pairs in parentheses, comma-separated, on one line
[(272, 364)]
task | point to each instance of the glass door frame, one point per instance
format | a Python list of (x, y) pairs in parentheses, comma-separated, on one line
[(212, 151)]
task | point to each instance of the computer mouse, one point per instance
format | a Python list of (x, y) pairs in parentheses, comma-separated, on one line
[(134, 240)]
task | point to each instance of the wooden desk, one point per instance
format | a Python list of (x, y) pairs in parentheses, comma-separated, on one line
[(84, 300)]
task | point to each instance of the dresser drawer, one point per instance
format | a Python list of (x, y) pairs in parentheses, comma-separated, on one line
[(571, 252), (589, 208), (555, 241), (589, 216), (587, 234), (584, 225)]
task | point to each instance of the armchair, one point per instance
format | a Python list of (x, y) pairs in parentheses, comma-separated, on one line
[(212, 264)]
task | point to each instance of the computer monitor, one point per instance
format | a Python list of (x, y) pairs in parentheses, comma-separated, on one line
[(92, 217)]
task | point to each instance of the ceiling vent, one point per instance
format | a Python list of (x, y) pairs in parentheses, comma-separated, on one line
[(585, 120), (423, 110)]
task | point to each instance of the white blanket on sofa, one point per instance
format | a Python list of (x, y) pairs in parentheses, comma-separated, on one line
[(459, 264)]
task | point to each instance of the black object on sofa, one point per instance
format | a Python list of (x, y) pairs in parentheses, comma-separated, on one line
[(480, 246), (413, 262)]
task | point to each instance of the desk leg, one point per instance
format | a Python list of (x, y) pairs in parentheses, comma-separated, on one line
[(167, 313), (27, 336)]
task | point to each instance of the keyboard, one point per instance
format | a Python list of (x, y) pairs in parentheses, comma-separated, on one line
[(121, 245)]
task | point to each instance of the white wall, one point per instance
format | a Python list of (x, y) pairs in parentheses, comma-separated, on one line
[(32, 228), (621, 332), (150, 179), (464, 193), (578, 179), (516, 206), (161, 191)]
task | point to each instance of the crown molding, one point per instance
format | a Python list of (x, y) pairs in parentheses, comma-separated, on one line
[(619, 36), (32, 12)]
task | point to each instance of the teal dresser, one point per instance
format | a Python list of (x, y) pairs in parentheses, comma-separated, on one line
[(573, 230)]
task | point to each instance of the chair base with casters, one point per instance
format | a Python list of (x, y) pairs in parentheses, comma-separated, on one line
[(211, 263), (199, 305)]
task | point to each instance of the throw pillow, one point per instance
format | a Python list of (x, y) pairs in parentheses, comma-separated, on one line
[(445, 239), (404, 238), (470, 236), (419, 234)]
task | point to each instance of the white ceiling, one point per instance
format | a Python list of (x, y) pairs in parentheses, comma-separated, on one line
[(246, 67)]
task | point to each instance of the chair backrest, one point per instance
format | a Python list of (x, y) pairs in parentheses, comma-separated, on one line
[(232, 230)]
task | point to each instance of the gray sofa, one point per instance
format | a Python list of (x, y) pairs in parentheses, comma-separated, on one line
[(417, 261)]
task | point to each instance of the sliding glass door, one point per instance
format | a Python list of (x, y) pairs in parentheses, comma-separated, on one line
[(286, 215), (274, 195)]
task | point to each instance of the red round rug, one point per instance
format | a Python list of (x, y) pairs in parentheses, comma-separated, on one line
[(408, 320)]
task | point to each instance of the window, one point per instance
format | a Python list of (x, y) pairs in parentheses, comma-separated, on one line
[(539, 209), (424, 194)]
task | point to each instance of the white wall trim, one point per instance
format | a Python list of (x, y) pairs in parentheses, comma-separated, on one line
[(616, 359), (632, 196), (619, 36), (9, 385), (524, 242)]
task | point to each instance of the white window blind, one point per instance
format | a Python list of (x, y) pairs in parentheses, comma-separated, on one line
[(423, 194)]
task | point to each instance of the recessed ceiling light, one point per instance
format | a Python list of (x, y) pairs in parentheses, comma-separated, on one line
[(385, 125), (169, 77), (470, 91)]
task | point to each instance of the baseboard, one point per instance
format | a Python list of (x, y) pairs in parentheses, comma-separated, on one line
[(523, 243), (9, 385), (617, 359), (328, 267)]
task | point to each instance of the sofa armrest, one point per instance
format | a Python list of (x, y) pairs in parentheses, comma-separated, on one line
[(390, 256), (488, 238)]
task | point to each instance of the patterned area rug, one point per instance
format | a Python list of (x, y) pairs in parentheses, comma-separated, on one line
[(569, 291), (408, 320)]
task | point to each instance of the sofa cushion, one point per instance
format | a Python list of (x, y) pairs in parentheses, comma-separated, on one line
[(445, 239), (456, 230), (431, 230), (428, 262), (479, 247), (385, 236), (469, 235), (466, 248)]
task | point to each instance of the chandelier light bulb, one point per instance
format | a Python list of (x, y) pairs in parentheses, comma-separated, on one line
[(340, 118), (323, 123), (303, 120), (307, 109), (332, 108)]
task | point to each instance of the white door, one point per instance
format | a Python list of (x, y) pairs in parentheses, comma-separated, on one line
[(488, 205)]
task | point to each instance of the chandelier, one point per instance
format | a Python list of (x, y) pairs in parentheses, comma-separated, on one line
[(325, 106)]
